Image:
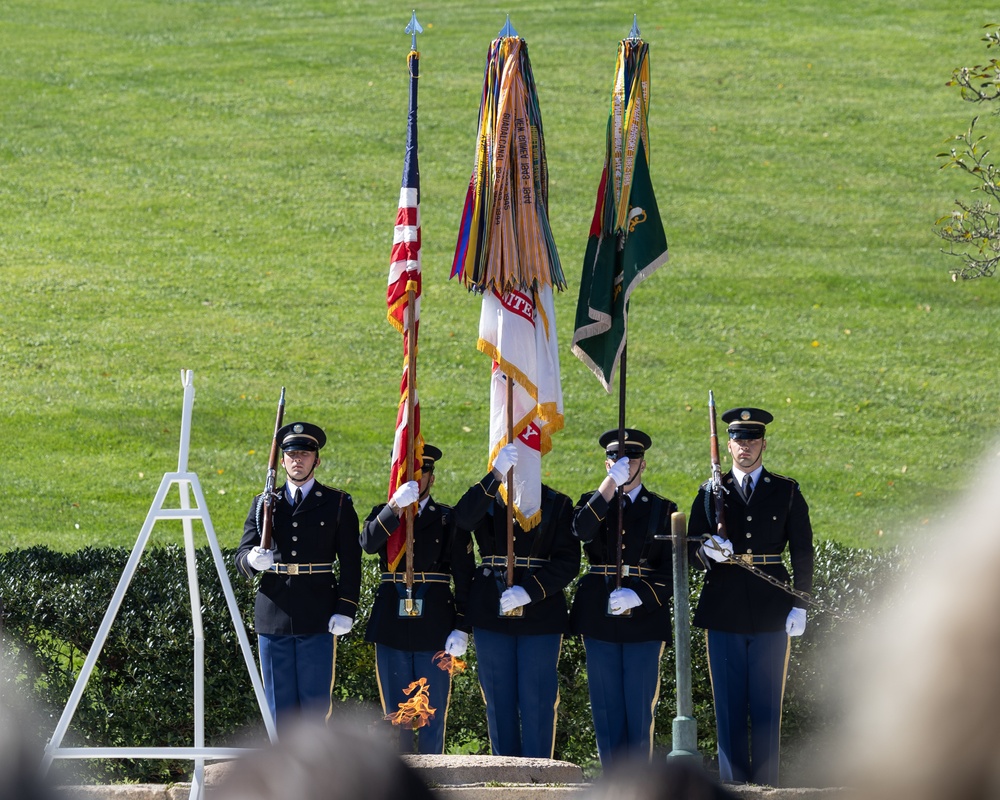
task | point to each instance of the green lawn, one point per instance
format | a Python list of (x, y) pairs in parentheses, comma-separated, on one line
[(212, 186)]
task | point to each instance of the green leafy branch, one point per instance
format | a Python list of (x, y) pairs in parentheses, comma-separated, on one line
[(972, 230)]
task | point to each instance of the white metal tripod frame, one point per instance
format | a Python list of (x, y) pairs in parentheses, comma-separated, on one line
[(186, 482)]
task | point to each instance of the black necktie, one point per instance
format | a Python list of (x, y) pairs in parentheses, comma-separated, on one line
[(297, 498), (747, 486)]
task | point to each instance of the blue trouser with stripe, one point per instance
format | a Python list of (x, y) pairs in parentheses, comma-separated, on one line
[(624, 680), (396, 670), (298, 675), (748, 683), (520, 682)]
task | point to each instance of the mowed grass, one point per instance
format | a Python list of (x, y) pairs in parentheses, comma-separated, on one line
[(212, 186)]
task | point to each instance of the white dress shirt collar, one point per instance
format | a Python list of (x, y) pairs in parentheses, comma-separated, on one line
[(305, 487)]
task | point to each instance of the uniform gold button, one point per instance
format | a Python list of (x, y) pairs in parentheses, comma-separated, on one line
[(294, 553), (295, 524), (295, 538)]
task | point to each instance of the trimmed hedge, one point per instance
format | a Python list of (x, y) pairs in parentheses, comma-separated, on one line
[(140, 692)]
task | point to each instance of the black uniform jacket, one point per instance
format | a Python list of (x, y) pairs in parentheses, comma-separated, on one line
[(434, 551), (322, 529), (733, 599), (595, 524), (551, 541)]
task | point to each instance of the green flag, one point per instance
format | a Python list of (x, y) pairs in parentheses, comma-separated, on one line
[(627, 242)]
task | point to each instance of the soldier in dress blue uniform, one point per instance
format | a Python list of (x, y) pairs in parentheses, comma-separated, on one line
[(300, 601), (518, 656), (748, 620), (406, 641), (624, 629)]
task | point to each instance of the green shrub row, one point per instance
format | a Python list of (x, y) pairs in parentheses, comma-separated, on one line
[(140, 693)]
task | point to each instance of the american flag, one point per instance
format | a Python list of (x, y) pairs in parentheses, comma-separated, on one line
[(404, 276)]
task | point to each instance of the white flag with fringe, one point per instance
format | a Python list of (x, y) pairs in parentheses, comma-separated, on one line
[(518, 331)]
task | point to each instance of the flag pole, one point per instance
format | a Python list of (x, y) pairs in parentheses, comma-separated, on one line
[(510, 483), (633, 36), (508, 31), (413, 28), (621, 452), (411, 369)]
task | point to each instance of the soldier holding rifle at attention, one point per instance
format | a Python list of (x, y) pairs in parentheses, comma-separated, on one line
[(748, 619), (518, 630), (407, 639), (301, 607), (622, 603)]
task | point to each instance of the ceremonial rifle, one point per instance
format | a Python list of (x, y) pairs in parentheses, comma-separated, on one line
[(717, 489), (269, 496)]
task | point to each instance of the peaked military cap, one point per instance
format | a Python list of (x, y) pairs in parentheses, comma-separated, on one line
[(301, 436), (636, 443), (431, 456), (747, 423)]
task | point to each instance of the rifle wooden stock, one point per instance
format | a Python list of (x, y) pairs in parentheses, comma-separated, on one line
[(267, 523), (718, 501)]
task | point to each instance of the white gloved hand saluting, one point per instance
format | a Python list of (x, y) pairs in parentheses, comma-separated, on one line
[(514, 597), (717, 548), (621, 600), (506, 458), (619, 471), (795, 625), (340, 624), (457, 643), (260, 559), (406, 495)]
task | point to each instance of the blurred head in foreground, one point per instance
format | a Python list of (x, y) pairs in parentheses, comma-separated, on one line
[(670, 779), (924, 718), (339, 761), (20, 749)]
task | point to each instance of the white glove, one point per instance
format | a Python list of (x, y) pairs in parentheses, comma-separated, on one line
[(506, 458), (339, 624), (619, 471), (717, 548), (406, 495), (514, 597), (457, 643), (795, 625), (621, 600), (260, 559)]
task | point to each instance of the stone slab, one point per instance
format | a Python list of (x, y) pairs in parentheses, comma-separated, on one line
[(181, 791), (458, 778), (445, 770)]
